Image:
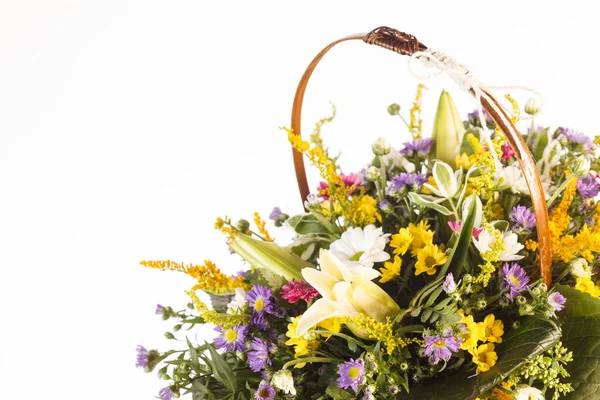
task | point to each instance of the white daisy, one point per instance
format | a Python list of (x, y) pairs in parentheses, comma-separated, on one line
[(529, 393), (238, 303), (361, 247), (511, 245)]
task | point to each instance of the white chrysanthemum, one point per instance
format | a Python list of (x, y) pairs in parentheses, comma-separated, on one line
[(238, 303), (529, 393), (511, 177), (511, 245), (580, 268), (361, 247), (284, 381)]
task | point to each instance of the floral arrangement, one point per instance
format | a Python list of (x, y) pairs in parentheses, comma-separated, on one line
[(416, 277)]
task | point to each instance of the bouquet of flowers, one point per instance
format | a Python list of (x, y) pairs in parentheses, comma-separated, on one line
[(420, 276)]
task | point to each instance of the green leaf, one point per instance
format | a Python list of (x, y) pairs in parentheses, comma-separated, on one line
[(533, 337), (222, 371), (420, 201), (461, 248), (578, 304), (305, 224), (339, 394), (541, 141), (193, 356)]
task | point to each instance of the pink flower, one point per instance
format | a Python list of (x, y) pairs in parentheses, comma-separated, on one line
[(507, 152), (476, 232), (296, 290), (352, 181), (455, 225)]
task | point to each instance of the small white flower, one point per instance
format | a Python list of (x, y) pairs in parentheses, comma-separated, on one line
[(511, 245), (580, 268), (238, 303), (284, 381), (398, 160), (512, 178), (529, 393), (361, 247), (533, 106)]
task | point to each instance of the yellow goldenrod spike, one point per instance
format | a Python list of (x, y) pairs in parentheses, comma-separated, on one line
[(261, 225), (416, 123)]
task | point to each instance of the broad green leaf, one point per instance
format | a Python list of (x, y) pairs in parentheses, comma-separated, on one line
[(459, 253), (581, 335), (541, 141), (222, 371), (533, 337), (193, 356), (305, 224), (578, 304), (339, 394), (420, 201), (445, 179)]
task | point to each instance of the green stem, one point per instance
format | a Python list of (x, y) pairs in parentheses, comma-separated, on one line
[(559, 191), (382, 177), (309, 360), (531, 131)]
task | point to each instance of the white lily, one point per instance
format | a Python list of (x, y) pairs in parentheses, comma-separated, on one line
[(346, 292), (447, 181)]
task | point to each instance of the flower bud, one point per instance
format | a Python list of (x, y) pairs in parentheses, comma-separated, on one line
[(521, 300), (481, 304), (580, 268), (536, 291), (543, 287), (448, 130), (177, 327), (468, 278), (533, 106), (516, 325), (504, 302), (381, 147), (526, 309), (242, 225), (581, 167), (169, 335), (372, 173), (393, 389), (404, 366), (394, 109)]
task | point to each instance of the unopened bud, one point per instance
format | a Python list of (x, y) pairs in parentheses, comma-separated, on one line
[(533, 106), (372, 173), (467, 279), (521, 300), (516, 325), (242, 225), (481, 304), (169, 335), (381, 147), (543, 287), (580, 268), (581, 167), (394, 109)]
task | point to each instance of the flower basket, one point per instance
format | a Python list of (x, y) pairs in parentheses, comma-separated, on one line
[(462, 266)]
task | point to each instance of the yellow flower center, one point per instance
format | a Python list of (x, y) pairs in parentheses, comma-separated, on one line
[(259, 304), (430, 262), (357, 256), (514, 280), (264, 393), (231, 335), (440, 343), (353, 373)]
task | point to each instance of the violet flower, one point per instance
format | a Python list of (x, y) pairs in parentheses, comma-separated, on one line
[(557, 301), (258, 358), (418, 147), (351, 374), (142, 357), (577, 139), (404, 182), (515, 279), (588, 187), (166, 394), (265, 391), (441, 347), (523, 218), (233, 339)]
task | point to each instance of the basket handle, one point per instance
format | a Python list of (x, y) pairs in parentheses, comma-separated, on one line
[(407, 44)]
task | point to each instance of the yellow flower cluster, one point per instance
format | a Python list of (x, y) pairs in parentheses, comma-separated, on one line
[(586, 285), (224, 225), (261, 225), (304, 346), (381, 331), (488, 332), (566, 247), (490, 256), (390, 270), (209, 277), (416, 123), (219, 319)]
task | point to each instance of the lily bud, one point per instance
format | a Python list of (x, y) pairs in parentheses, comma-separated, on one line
[(448, 130)]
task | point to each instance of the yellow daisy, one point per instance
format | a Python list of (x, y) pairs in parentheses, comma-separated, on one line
[(421, 234), (492, 329), (485, 357), (428, 258), (401, 241), (390, 270), (475, 334)]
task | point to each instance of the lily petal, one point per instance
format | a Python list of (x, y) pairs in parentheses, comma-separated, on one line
[(321, 310), (321, 281)]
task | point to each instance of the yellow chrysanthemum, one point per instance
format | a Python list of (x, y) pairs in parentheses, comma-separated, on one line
[(465, 161), (428, 258), (390, 270), (474, 336), (332, 325), (421, 234), (401, 241), (301, 345), (432, 182), (586, 285), (492, 329), (485, 357)]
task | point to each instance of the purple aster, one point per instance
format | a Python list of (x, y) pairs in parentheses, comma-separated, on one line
[(449, 285), (475, 120), (403, 182), (258, 320), (232, 339), (259, 356), (557, 301), (577, 138), (588, 187), (523, 218), (515, 279), (352, 374), (275, 214), (260, 299), (418, 147), (440, 347), (264, 392), (142, 357), (166, 393), (159, 309)]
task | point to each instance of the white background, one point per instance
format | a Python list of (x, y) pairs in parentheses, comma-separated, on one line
[(126, 127)]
